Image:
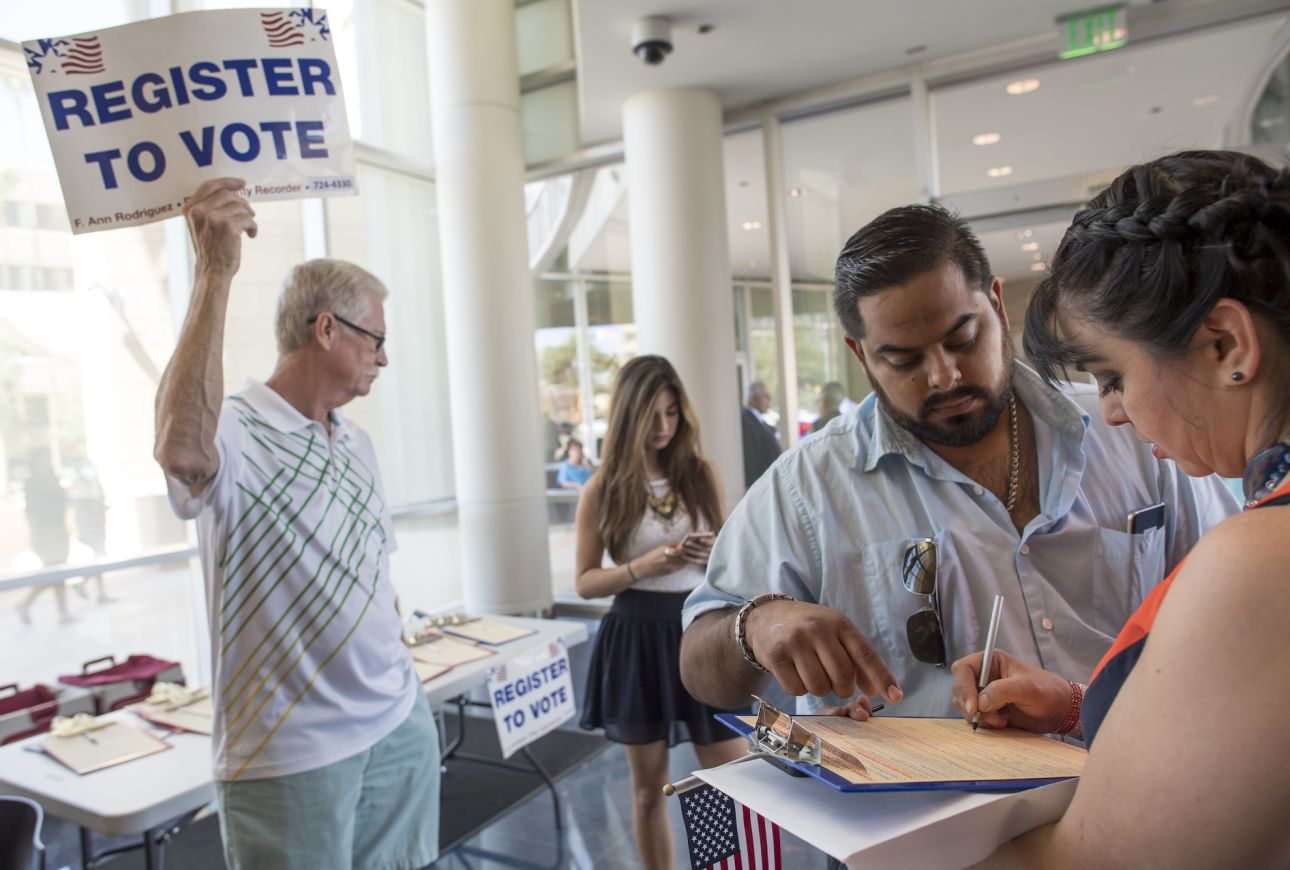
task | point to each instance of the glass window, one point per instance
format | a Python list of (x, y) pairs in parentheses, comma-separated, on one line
[(381, 52), (841, 170), (1271, 120), (549, 118), (543, 34), (392, 231), (23, 21), (85, 331)]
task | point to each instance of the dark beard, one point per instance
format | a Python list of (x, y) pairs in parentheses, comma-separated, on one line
[(963, 429)]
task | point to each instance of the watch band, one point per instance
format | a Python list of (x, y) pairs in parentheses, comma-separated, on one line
[(742, 617)]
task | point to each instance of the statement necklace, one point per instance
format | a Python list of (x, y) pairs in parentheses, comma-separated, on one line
[(664, 506), (1265, 472), (1011, 501)]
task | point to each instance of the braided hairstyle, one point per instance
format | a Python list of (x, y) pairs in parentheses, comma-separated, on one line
[(1149, 257)]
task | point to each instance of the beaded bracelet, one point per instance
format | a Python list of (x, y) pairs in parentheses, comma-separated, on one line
[(1070, 726)]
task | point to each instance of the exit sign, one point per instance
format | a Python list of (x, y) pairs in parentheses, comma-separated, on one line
[(1092, 31)]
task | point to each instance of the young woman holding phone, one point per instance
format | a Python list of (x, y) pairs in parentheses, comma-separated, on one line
[(655, 505)]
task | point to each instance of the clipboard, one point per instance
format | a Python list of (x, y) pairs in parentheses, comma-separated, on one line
[(805, 745), (106, 746), (427, 671), (196, 716), (440, 649), (483, 630)]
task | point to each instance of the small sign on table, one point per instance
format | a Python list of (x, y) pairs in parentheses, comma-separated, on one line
[(532, 695)]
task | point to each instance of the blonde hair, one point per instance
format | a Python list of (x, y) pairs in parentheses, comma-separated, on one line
[(317, 286)]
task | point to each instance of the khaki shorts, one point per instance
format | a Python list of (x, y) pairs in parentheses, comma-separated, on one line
[(378, 809)]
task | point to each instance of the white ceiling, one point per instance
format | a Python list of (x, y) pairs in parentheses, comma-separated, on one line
[(1089, 118), (762, 49)]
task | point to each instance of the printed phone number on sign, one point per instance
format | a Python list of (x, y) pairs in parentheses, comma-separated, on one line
[(345, 183)]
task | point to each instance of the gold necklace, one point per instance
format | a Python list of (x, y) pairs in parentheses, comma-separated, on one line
[(1014, 460), (663, 506)]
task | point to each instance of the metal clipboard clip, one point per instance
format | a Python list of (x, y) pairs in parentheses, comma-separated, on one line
[(778, 733)]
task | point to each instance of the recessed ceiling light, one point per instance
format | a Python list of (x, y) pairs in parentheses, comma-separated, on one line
[(1039, 267), (998, 171), (986, 138), (795, 191), (1022, 86), (1207, 100), (752, 225), (1025, 234), (1030, 246)]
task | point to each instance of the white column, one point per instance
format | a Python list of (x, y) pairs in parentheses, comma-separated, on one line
[(681, 282), (488, 305)]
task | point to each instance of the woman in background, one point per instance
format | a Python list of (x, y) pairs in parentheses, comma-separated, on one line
[(575, 469), (1172, 288), (655, 506)]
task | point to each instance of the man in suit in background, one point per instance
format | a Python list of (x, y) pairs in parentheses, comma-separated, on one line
[(761, 443)]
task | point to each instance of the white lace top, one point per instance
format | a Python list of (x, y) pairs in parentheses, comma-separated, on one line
[(653, 531)]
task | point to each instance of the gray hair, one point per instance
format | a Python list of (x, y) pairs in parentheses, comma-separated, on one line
[(317, 286), (754, 388)]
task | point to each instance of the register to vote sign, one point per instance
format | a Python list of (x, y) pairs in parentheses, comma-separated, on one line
[(139, 115), (531, 694)]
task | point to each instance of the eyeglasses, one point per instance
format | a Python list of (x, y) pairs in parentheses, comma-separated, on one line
[(924, 630), (379, 339)]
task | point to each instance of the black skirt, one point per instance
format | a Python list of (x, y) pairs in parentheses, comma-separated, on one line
[(634, 688)]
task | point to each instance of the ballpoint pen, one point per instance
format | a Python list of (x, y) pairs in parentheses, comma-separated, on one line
[(992, 633)]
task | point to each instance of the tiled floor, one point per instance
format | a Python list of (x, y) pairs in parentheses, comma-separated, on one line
[(597, 825)]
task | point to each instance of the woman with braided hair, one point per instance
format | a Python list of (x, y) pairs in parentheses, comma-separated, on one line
[(654, 505), (1172, 288)]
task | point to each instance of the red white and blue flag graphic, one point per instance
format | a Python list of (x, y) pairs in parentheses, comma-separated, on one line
[(77, 55), (280, 30), (295, 27), (723, 834), (84, 57)]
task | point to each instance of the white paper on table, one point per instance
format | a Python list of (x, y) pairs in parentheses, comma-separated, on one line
[(922, 829)]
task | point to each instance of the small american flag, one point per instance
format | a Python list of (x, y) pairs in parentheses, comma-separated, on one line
[(281, 32), (84, 57), (723, 834)]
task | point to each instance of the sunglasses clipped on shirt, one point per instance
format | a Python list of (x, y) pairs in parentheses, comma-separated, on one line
[(378, 338), (924, 630)]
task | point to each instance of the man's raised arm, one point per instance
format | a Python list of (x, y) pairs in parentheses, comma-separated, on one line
[(192, 387)]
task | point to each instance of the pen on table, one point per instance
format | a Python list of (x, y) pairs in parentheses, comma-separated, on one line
[(991, 635)]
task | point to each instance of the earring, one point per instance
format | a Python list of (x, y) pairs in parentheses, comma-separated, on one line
[(1238, 376)]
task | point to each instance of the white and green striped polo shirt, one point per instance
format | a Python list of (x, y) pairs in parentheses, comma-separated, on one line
[(295, 537)]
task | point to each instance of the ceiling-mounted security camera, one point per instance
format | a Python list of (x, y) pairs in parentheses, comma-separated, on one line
[(652, 39)]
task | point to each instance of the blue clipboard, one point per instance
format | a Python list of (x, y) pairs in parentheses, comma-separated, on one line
[(833, 780)]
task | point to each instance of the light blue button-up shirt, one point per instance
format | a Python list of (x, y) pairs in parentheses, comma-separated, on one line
[(830, 521)]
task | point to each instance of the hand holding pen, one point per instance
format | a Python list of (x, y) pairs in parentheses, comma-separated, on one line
[(1016, 694)]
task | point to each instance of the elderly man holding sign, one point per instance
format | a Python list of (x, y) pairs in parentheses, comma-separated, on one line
[(325, 750)]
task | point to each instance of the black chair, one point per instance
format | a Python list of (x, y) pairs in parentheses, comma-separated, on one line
[(20, 847)]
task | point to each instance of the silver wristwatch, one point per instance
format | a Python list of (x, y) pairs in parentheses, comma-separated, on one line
[(742, 617)]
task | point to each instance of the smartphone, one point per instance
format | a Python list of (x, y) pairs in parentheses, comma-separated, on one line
[(698, 537), (1147, 518)]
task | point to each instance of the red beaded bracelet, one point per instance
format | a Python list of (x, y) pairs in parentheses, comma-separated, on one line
[(1071, 722)]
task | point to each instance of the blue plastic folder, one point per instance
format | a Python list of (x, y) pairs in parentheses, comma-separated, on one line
[(834, 780)]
